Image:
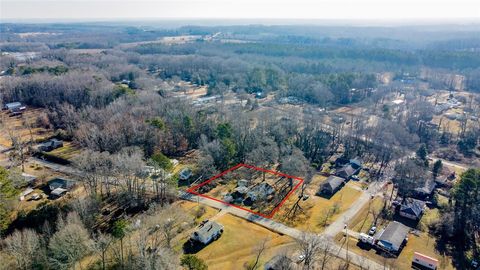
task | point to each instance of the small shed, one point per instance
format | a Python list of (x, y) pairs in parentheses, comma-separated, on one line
[(393, 237), (331, 185), (58, 192)]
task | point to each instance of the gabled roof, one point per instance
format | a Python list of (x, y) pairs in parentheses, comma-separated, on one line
[(346, 171), (333, 182), (13, 105), (428, 188), (208, 229), (356, 162), (412, 207), (395, 233)]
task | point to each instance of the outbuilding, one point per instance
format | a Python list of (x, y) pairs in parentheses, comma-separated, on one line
[(424, 261)]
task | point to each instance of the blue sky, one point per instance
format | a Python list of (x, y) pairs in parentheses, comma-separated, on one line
[(270, 9)]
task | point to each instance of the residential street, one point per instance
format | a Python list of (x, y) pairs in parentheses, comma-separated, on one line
[(272, 225)]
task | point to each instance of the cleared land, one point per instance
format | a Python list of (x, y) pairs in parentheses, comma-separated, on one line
[(18, 126), (318, 212)]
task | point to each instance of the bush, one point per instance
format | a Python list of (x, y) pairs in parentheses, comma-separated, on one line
[(192, 262), (200, 211), (162, 161)]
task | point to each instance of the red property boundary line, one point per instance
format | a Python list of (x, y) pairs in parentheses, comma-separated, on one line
[(193, 189)]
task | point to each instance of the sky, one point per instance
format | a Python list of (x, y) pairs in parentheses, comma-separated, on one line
[(241, 9)]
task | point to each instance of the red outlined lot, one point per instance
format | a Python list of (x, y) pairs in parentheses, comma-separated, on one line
[(193, 190)]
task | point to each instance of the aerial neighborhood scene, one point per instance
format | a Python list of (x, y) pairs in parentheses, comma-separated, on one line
[(228, 134)]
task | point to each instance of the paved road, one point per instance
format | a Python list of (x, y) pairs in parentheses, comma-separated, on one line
[(338, 225), (283, 229)]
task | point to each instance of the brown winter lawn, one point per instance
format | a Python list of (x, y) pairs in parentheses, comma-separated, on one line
[(236, 245), (18, 127), (318, 212)]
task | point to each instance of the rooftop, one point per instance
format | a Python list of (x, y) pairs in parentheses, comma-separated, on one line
[(395, 233)]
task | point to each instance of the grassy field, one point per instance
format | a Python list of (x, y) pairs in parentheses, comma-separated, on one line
[(318, 212), (18, 126), (236, 245), (68, 151)]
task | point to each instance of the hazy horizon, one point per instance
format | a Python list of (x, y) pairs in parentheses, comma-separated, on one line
[(395, 11)]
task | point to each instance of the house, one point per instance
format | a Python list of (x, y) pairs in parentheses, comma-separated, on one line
[(50, 145), (185, 174), (258, 192), (60, 183), (356, 163), (340, 162), (242, 183), (347, 171), (425, 192), (412, 208), (14, 107), (393, 237), (279, 262), (207, 232), (331, 185)]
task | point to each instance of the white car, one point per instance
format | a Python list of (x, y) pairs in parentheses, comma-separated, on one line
[(372, 231)]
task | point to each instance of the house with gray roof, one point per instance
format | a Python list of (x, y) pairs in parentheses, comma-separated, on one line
[(426, 191), (412, 208), (393, 237), (207, 232), (331, 185), (258, 192)]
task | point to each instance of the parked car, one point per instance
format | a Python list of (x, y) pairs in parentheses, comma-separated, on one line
[(372, 230)]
